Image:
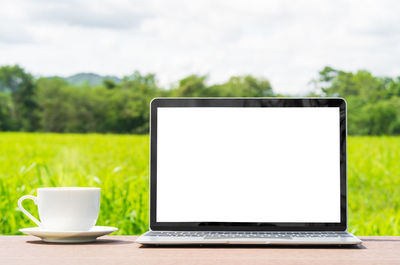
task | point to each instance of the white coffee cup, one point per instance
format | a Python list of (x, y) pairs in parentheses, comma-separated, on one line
[(65, 208)]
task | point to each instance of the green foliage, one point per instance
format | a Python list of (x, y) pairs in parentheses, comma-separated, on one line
[(21, 86), (115, 106), (191, 86), (380, 118), (237, 86), (6, 112), (373, 102), (243, 86), (122, 105), (119, 164), (110, 84)]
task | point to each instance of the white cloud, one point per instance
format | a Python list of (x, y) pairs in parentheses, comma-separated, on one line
[(88, 14), (285, 41)]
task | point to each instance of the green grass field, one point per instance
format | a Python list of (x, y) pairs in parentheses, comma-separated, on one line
[(119, 165)]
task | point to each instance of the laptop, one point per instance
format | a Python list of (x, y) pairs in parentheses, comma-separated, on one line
[(248, 171)]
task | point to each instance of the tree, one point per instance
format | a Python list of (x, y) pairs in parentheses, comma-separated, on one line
[(56, 104), (6, 121), (373, 107), (21, 86), (244, 86), (377, 118), (363, 84), (110, 84), (137, 92), (192, 86)]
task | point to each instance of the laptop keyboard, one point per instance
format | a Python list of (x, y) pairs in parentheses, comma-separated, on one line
[(234, 234)]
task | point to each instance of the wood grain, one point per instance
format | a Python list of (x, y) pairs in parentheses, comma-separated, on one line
[(15, 250)]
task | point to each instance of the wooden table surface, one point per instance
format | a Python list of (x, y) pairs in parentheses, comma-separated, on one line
[(122, 250)]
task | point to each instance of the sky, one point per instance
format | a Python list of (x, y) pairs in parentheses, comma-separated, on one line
[(287, 42)]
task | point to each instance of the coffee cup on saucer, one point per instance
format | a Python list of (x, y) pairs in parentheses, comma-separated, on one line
[(66, 210)]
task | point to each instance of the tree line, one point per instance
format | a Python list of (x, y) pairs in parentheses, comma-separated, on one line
[(54, 105), (373, 102)]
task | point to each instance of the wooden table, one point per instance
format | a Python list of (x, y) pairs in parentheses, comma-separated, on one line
[(122, 250)]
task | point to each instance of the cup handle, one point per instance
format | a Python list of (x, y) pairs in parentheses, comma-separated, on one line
[(34, 199)]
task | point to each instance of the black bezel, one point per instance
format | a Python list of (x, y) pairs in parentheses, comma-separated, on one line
[(247, 102)]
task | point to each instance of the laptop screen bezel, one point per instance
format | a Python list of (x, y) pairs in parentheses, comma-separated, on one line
[(247, 102)]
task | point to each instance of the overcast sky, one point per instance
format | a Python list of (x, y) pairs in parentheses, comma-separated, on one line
[(287, 42)]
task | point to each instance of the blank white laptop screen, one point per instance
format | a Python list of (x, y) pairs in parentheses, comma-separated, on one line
[(253, 164)]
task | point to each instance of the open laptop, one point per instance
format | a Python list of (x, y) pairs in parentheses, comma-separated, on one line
[(248, 171)]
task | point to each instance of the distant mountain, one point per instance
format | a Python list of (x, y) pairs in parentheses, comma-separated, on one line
[(90, 78)]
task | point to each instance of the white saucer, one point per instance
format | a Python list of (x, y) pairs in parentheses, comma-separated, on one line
[(69, 236)]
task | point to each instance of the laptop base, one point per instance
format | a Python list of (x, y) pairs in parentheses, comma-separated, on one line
[(247, 238)]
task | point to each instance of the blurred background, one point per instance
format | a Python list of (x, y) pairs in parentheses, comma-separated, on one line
[(76, 78)]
